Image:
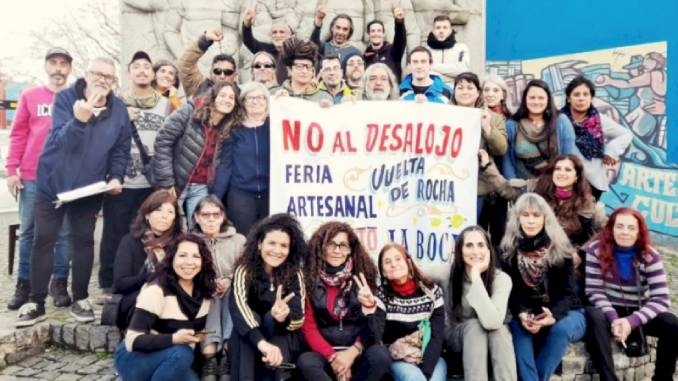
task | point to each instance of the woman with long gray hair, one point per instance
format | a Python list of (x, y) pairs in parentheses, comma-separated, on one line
[(538, 257)]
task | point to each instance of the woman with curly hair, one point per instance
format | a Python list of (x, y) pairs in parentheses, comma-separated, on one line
[(267, 301), (187, 147), (169, 316), (156, 224), (544, 303), (408, 316), (626, 282), (335, 328), (479, 294)]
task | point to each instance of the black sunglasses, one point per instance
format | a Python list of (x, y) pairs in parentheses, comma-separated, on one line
[(263, 66), (225, 72)]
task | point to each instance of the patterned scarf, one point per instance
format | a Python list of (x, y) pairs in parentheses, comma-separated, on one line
[(589, 137), (343, 279), (154, 246), (532, 258)]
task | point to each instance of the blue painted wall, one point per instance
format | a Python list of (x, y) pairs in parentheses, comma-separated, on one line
[(524, 29)]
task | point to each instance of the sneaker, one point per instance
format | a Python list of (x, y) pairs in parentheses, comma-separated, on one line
[(29, 314), (106, 295), (20, 297), (58, 290), (82, 311), (209, 369)]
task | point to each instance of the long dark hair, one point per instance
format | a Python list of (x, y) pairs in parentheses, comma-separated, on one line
[(458, 273), (550, 113), (286, 273), (204, 282), (205, 106), (362, 263), (414, 271), (152, 203), (334, 21), (566, 210), (607, 242)]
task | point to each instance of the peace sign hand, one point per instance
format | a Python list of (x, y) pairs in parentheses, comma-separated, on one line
[(365, 295), (280, 309)]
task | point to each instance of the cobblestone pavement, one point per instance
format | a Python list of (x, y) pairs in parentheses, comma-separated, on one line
[(61, 365)]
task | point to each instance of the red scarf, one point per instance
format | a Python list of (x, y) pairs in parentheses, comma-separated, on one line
[(406, 289)]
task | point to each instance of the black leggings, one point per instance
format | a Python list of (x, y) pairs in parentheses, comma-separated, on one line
[(598, 343)]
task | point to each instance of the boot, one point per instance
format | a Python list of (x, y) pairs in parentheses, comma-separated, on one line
[(23, 288), (58, 290), (209, 368), (224, 369)]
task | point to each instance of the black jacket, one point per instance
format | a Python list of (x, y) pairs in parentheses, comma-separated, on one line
[(178, 148), (389, 54), (344, 332), (129, 274)]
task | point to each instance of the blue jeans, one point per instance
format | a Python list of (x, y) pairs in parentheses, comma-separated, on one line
[(62, 249), (555, 341), (219, 321), (404, 371), (173, 363), (192, 195)]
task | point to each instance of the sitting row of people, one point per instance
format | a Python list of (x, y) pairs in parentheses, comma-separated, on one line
[(273, 306)]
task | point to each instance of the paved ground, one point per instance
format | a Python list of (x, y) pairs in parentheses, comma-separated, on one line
[(61, 365)]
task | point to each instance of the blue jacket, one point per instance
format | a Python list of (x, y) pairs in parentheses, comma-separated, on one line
[(78, 154), (564, 139), (244, 161), (438, 92)]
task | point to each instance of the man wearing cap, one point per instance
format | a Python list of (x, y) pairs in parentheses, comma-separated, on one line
[(29, 130), (147, 110), (89, 142), (223, 65)]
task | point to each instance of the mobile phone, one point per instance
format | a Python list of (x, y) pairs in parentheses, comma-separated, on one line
[(202, 334), (283, 365)]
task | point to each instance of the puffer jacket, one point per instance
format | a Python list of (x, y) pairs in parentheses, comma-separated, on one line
[(178, 148)]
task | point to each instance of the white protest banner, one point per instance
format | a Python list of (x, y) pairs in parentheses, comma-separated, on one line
[(395, 171)]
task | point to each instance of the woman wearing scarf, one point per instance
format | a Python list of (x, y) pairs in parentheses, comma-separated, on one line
[(408, 317), (543, 301), (599, 139), (140, 251), (169, 316), (335, 328), (536, 134), (450, 57)]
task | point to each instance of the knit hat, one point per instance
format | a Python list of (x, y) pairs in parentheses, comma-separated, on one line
[(345, 58)]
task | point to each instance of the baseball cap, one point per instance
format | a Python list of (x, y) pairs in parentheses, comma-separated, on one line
[(140, 55), (57, 51)]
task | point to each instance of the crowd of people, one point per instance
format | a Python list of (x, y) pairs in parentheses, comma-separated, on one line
[(208, 284)]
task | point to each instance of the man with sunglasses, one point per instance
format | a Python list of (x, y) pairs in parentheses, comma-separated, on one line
[(264, 69), (89, 142), (223, 65)]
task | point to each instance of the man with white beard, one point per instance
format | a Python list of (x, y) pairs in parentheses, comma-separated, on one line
[(379, 83)]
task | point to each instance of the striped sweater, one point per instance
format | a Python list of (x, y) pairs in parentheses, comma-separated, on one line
[(157, 316), (608, 291), (250, 302)]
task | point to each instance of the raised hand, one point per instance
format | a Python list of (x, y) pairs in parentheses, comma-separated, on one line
[(84, 109), (248, 17), (365, 295), (214, 35), (398, 14), (320, 14), (280, 309)]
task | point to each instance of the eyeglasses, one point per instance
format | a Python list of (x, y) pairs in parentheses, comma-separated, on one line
[(263, 66), (255, 98), (224, 72), (341, 247), (303, 66), (110, 78), (212, 216)]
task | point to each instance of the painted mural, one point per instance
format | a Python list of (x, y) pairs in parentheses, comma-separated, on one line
[(631, 87)]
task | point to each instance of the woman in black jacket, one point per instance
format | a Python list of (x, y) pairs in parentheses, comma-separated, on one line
[(543, 301), (187, 147), (140, 251), (335, 328), (267, 301)]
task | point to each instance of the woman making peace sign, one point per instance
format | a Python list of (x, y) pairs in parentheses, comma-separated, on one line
[(335, 326), (267, 301), (409, 317)]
